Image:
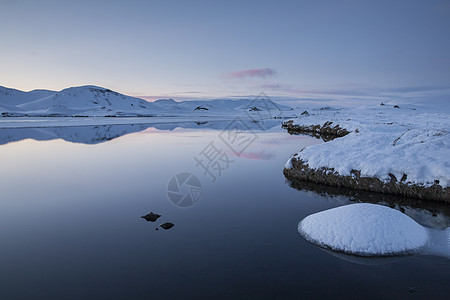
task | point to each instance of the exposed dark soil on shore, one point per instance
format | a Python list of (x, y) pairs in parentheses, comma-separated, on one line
[(302, 172)]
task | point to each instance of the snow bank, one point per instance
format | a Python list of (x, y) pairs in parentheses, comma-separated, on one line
[(411, 145), (364, 229)]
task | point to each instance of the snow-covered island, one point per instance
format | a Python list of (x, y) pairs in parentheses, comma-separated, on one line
[(387, 148), (364, 229)]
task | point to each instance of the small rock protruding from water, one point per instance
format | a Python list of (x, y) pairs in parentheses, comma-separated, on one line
[(151, 217), (166, 225)]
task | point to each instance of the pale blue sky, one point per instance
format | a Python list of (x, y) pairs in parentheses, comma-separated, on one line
[(199, 48)]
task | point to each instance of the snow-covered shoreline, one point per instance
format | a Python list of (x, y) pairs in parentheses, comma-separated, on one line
[(388, 149)]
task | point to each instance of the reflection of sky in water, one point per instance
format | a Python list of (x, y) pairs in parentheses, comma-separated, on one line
[(70, 221)]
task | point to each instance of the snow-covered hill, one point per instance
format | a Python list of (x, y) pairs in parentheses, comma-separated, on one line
[(13, 97), (87, 101), (101, 102)]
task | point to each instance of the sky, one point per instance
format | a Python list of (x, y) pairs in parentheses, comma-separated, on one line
[(199, 49)]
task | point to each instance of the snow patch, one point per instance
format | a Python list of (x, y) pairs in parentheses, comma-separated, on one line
[(288, 164)]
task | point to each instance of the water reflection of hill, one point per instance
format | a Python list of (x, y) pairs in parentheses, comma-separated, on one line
[(102, 133)]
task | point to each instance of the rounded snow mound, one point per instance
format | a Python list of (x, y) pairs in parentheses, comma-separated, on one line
[(364, 229)]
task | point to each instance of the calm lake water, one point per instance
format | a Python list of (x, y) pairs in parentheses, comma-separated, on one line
[(71, 227)]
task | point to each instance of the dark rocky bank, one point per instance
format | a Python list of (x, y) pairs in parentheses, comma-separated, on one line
[(302, 172), (327, 129)]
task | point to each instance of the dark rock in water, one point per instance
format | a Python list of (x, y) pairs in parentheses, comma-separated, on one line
[(151, 217), (166, 225), (326, 131), (396, 106)]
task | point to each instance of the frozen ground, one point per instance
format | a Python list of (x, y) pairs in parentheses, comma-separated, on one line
[(411, 142), (364, 229)]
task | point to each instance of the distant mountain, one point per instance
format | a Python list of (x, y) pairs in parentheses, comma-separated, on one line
[(87, 101), (220, 106), (13, 97), (101, 102)]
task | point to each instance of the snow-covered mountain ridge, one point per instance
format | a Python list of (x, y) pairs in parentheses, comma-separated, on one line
[(101, 102)]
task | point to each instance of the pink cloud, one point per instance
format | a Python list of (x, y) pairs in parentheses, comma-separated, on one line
[(259, 73)]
